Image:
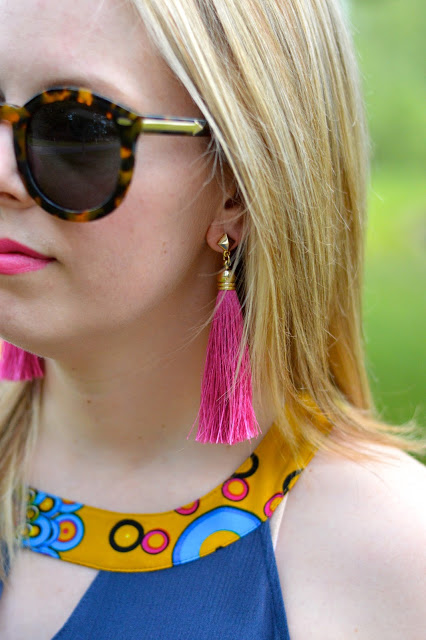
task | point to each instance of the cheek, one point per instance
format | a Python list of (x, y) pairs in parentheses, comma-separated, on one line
[(140, 252)]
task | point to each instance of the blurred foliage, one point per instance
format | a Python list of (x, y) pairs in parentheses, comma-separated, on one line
[(389, 36), (389, 40)]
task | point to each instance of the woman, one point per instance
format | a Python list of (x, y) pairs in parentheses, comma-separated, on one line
[(107, 323)]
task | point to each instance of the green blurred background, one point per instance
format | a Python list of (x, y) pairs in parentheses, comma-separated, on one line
[(389, 37)]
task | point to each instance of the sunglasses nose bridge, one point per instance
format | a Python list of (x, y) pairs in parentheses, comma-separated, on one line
[(8, 120), (13, 183), (12, 114), (17, 118)]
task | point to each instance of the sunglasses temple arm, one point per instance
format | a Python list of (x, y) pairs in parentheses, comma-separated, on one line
[(174, 126)]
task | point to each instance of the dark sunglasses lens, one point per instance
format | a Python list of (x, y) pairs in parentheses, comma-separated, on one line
[(73, 153)]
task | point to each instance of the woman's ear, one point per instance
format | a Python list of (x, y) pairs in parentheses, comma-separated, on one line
[(230, 220)]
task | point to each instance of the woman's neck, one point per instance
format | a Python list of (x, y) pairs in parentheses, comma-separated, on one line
[(118, 439)]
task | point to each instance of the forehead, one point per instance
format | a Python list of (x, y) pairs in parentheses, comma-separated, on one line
[(101, 44)]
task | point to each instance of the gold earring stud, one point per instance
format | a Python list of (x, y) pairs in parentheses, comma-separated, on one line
[(226, 279)]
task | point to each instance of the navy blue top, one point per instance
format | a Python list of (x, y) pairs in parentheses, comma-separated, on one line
[(233, 593)]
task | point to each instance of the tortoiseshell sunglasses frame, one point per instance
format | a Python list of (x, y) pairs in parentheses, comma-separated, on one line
[(128, 124)]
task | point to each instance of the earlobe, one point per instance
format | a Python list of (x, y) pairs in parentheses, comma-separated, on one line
[(216, 231)]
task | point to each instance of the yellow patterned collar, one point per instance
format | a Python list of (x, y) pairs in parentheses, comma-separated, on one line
[(132, 542)]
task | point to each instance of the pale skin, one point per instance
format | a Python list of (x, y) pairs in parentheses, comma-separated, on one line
[(114, 316)]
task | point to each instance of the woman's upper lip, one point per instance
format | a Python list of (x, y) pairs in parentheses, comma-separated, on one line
[(10, 246)]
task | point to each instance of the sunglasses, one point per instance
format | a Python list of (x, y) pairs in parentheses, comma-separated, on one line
[(75, 150)]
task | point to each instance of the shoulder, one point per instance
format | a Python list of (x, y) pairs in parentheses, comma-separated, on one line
[(351, 551)]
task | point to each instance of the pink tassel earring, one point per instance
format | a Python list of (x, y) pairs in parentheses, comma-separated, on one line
[(225, 415), (17, 364)]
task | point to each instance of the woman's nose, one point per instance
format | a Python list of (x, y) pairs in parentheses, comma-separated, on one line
[(12, 189)]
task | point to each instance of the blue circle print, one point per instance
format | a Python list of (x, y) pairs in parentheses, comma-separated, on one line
[(221, 519), (66, 545)]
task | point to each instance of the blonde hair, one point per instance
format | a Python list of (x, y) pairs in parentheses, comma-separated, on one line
[(279, 85)]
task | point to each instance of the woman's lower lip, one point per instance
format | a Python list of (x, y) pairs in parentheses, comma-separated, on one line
[(13, 263)]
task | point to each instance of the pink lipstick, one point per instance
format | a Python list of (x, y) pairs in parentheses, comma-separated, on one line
[(17, 258)]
